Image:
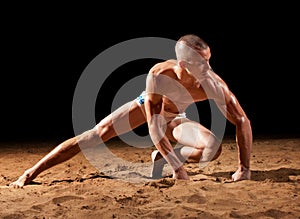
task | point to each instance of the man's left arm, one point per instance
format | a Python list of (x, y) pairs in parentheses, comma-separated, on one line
[(236, 115), (228, 104)]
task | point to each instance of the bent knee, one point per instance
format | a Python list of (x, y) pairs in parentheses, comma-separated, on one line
[(211, 153), (197, 153)]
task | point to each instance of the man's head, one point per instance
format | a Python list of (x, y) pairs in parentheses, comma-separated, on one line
[(197, 44), (193, 54)]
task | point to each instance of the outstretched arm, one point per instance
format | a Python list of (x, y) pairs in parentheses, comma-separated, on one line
[(236, 115), (217, 90)]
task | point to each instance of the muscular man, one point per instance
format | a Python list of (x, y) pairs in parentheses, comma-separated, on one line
[(171, 87)]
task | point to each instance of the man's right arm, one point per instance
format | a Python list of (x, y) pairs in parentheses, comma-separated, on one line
[(157, 127)]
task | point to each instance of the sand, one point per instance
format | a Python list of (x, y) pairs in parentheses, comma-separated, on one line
[(77, 188)]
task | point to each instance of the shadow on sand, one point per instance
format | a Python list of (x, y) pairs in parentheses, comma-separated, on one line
[(276, 175)]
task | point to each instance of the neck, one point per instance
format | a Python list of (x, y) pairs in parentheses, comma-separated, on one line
[(179, 71), (208, 65)]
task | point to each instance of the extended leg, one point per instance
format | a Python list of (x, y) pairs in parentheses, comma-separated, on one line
[(100, 133)]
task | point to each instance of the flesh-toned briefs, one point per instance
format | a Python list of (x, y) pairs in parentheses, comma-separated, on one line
[(141, 100)]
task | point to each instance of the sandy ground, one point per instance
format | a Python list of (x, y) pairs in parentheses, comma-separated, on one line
[(78, 188)]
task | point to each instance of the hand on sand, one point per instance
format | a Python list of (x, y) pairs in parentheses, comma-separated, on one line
[(181, 173), (241, 174)]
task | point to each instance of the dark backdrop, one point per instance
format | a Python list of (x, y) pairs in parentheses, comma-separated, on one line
[(44, 52)]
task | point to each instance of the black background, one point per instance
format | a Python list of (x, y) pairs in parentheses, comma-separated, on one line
[(45, 49)]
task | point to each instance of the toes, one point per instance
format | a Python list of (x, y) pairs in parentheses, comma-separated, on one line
[(15, 185)]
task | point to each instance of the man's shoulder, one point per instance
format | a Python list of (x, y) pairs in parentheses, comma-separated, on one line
[(162, 67)]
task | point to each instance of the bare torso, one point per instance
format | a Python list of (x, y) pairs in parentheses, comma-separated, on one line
[(179, 95)]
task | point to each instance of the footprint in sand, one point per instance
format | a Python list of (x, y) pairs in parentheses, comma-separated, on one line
[(61, 199), (13, 216), (195, 198), (162, 183)]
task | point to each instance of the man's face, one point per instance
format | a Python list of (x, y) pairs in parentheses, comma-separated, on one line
[(187, 53), (195, 61), (206, 54)]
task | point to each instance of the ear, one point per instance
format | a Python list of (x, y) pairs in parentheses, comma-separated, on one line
[(181, 63)]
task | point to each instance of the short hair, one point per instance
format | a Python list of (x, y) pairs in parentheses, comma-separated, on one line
[(193, 41)]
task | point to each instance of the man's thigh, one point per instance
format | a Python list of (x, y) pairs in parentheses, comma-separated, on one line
[(189, 133), (125, 118)]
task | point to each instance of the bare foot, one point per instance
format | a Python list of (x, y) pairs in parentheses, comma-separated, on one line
[(158, 165), (21, 181)]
